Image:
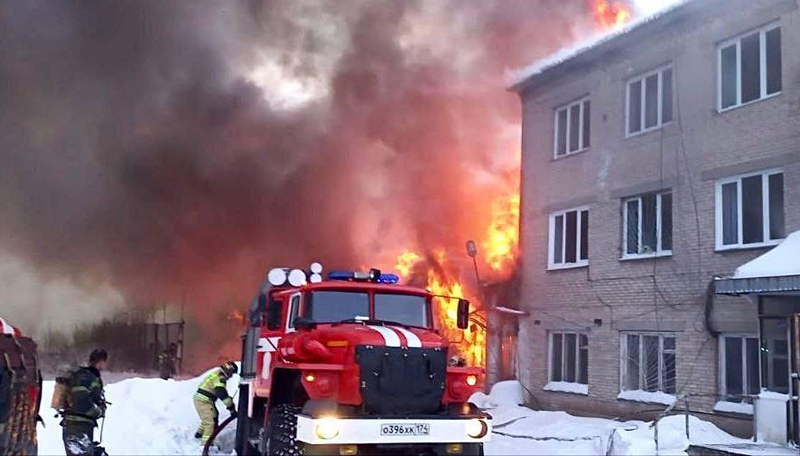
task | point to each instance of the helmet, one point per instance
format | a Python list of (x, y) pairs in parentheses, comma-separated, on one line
[(230, 368)]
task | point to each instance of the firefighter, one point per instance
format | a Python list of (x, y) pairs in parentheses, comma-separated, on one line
[(213, 387), (84, 406)]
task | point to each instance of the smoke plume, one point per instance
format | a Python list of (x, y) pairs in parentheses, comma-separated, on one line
[(179, 149)]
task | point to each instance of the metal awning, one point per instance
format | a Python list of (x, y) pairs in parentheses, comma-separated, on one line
[(757, 285)]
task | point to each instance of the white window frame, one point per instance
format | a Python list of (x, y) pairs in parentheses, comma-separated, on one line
[(723, 390), (581, 111), (660, 99), (660, 252), (550, 346), (764, 204), (762, 44), (289, 324), (579, 263), (623, 365)]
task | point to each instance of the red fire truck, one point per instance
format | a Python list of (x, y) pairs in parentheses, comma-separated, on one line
[(20, 392), (353, 365)]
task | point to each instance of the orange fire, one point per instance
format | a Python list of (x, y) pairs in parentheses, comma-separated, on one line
[(499, 249), (610, 14), (502, 236)]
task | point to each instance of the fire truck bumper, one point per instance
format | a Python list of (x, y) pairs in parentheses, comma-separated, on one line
[(360, 431)]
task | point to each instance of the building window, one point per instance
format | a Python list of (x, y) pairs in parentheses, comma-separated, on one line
[(749, 67), (738, 367), (750, 210), (649, 103), (569, 239), (569, 357), (572, 128), (648, 362), (647, 225)]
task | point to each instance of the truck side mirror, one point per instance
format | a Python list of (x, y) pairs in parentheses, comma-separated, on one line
[(462, 317), (273, 313)]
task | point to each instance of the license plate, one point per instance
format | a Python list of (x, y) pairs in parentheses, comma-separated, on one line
[(406, 429)]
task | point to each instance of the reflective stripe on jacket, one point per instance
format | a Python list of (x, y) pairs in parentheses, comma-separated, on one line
[(214, 387)]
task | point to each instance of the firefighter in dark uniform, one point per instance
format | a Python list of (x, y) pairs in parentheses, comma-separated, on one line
[(213, 387), (86, 404)]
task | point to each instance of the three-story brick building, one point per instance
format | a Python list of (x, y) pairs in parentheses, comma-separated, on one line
[(652, 162)]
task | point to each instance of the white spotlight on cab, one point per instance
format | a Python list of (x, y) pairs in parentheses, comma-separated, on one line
[(297, 278), (277, 277)]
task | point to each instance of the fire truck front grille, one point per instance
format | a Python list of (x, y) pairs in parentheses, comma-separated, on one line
[(405, 381)]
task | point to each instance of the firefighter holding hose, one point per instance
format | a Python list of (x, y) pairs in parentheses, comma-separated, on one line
[(213, 387)]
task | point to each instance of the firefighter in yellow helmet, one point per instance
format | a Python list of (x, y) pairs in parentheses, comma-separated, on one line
[(213, 387)]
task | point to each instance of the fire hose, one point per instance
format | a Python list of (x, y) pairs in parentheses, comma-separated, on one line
[(215, 433)]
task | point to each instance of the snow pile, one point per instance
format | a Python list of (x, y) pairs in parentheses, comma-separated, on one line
[(503, 393), (147, 416), (564, 54), (780, 261), (650, 397)]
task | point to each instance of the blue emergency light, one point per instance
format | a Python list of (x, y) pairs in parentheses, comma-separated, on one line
[(373, 276)]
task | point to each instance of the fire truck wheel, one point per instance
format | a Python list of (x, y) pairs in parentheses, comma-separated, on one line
[(282, 431)]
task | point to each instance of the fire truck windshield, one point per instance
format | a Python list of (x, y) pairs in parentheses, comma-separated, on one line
[(335, 306), (409, 310), (338, 306)]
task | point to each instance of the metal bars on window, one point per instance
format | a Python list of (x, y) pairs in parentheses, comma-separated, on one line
[(648, 362)]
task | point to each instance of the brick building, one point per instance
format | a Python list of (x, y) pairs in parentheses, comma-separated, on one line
[(652, 162)]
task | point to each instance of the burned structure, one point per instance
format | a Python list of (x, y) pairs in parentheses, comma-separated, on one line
[(654, 161)]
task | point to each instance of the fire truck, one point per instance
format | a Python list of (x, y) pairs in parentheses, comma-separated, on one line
[(353, 365), (20, 392)]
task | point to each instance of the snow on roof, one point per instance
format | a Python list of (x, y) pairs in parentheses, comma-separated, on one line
[(782, 260), (7, 329), (564, 54)]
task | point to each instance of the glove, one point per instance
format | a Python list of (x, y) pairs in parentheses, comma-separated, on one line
[(233, 413)]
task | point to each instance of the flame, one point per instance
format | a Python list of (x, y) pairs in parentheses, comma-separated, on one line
[(502, 236), (406, 261), (610, 14), (237, 316), (469, 343)]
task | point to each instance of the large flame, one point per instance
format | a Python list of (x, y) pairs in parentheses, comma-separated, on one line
[(610, 14), (502, 236)]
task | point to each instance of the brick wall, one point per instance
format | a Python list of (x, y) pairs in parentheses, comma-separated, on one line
[(687, 156)]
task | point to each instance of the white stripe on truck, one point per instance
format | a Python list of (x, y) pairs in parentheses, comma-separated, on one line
[(389, 337), (411, 338)]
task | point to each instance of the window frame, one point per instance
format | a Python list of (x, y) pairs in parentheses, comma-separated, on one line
[(762, 46), (579, 263), (294, 308), (660, 252), (623, 366), (660, 100), (765, 216), (550, 346), (722, 351), (568, 108)]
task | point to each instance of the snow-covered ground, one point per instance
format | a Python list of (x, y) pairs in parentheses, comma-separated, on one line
[(156, 417)]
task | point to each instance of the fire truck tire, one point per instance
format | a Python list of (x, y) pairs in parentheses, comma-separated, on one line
[(282, 431)]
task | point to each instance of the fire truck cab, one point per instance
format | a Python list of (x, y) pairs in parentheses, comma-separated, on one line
[(353, 365)]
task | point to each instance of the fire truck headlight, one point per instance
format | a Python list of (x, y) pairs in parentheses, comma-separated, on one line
[(472, 380), (476, 428), (316, 268), (327, 428), (297, 278), (277, 277)]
